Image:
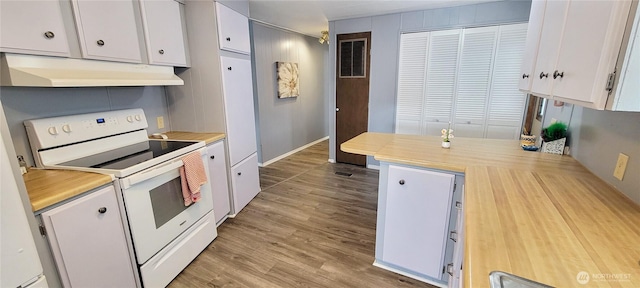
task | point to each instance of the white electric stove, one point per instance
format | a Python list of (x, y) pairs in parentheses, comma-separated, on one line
[(165, 235)]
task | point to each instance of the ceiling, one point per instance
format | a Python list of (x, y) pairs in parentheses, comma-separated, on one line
[(311, 16)]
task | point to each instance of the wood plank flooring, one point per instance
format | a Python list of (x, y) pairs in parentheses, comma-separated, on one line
[(307, 228)]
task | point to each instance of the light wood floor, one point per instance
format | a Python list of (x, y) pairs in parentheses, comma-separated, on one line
[(307, 228)]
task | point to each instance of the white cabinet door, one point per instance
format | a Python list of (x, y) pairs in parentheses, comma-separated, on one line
[(238, 99), (233, 30), (88, 242), (416, 221), (32, 27), (245, 180), (536, 17), (107, 30), (458, 250), (552, 24), (589, 48), (627, 97), (163, 32), (218, 180)]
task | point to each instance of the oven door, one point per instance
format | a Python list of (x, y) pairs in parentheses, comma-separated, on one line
[(155, 206)]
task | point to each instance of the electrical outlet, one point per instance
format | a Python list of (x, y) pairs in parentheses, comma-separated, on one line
[(621, 166), (160, 121)]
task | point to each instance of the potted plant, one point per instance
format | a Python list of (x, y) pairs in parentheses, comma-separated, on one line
[(446, 135), (554, 138)]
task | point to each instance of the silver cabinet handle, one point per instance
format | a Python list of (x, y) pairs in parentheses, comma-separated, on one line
[(556, 74), (453, 235), (525, 76), (161, 51), (49, 35), (102, 210), (542, 75), (100, 43)]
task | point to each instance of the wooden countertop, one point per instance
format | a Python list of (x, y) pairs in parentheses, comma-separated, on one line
[(540, 216), (206, 137), (48, 187)]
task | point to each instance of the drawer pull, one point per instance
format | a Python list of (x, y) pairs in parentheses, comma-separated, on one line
[(543, 75), (453, 235), (102, 210), (525, 76), (401, 181), (557, 74)]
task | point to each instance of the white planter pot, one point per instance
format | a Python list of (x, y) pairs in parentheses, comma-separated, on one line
[(446, 145), (554, 147)]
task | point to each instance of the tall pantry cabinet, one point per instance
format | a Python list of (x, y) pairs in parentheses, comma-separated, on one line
[(218, 94)]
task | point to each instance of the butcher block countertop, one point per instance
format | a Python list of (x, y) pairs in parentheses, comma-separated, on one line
[(206, 137), (539, 216), (49, 187)]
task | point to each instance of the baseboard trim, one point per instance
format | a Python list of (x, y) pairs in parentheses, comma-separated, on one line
[(267, 163), (374, 167), (423, 279)]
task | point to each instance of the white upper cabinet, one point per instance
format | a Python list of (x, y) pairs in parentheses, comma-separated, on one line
[(536, 17), (32, 27), (627, 97), (579, 45), (107, 30), (233, 30), (164, 38)]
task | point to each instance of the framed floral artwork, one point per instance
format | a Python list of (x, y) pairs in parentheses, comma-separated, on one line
[(288, 82)]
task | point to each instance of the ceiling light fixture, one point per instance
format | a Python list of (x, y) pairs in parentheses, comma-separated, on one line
[(324, 37)]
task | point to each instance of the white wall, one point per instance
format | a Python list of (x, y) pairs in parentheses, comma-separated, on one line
[(286, 124)]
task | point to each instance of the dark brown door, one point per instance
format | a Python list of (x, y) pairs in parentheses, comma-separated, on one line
[(352, 92)]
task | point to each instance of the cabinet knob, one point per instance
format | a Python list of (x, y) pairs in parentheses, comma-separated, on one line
[(49, 35), (229, 68), (102, 210), (556, 74), (239, 173), (401, 181), (228, 38), (542, 75), (212, 157), (161, 51), (525, 76), (100, 43)]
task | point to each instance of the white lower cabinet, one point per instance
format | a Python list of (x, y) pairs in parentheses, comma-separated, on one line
[(88, 242), (245, 181), (218, 180), (414, 214), (455, 280)]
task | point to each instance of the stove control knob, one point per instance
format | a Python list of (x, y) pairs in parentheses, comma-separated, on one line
[(138, 118), (130, 119), (66, 128), (52, 130)]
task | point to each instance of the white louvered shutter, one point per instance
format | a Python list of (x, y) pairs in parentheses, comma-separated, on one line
[(474, 75), (413, 57), (506, 104), (442, 63)]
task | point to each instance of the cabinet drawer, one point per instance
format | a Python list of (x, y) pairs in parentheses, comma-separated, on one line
[(245, 182)]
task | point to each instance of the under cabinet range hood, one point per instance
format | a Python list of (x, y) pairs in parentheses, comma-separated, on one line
[(45, 71)]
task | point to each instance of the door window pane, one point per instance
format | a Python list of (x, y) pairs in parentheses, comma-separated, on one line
[(353, 58)]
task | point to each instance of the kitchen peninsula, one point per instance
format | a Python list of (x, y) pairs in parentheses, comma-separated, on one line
[(540, 216)]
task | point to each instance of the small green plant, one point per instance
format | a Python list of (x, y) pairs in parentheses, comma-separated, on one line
[(554, 132)]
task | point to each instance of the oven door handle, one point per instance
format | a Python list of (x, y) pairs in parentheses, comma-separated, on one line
[(137, 178)]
